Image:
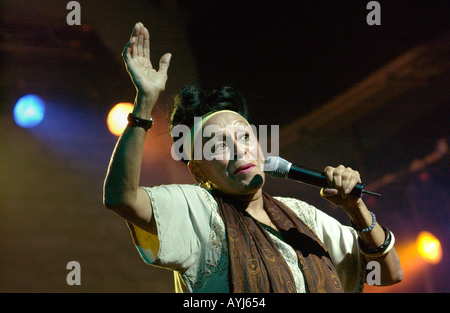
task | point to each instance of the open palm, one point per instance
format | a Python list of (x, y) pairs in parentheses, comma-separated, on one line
[(136, 55)]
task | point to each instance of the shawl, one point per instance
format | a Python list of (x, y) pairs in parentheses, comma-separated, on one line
[(255, 263)]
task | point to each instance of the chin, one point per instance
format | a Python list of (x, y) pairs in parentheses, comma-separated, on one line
[(255, 184)]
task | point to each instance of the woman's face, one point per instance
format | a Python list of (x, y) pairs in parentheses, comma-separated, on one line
[(232, 160)]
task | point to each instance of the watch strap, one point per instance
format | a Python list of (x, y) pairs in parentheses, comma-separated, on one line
[(134, 121)]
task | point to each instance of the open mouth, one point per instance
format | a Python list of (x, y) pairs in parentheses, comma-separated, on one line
[(244, 168)]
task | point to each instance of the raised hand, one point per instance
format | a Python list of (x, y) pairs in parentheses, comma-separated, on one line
[(148, 81)]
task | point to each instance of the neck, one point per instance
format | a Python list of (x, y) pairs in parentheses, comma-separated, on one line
[(252, 202)]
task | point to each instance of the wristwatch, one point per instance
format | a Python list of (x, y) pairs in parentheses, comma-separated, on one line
[(134, 121)]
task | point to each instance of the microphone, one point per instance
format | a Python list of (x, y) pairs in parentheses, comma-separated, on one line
[(280, 168)]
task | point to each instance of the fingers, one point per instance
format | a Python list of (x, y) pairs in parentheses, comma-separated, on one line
[(329, 174), (343, 179), (137, 39), (139, 43), (146, 47), (136, 55), (126, 54), (140, 39), (350, 182), (129, 50)]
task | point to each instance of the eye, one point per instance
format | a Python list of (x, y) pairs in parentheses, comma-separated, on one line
[(219, 146), (244, 137)]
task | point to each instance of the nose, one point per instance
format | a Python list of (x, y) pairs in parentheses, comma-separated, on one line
[(240, 151), (240, 144)]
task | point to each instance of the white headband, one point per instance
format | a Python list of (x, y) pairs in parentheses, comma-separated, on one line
[(197, 127)]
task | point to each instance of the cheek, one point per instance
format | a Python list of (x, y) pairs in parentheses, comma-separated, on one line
[(255, 151), (215, 171)]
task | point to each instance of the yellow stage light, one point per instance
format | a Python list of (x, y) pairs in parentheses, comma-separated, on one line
[(117, 117), (429, 247)]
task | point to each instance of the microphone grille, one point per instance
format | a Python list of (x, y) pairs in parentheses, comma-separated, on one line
[(277, 166)]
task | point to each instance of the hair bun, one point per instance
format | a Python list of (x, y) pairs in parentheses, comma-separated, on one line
[(192, 101)]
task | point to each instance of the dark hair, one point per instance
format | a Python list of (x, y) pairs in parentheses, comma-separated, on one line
[(192, 101)]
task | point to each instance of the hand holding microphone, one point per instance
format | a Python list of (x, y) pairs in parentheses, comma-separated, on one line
[(280, 168)]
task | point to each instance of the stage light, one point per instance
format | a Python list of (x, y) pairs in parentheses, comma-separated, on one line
[(429, 247), (117, 117), (29, 111)]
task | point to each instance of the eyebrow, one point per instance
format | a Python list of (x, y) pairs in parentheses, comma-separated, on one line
[(224, 134), (214, 134), (240, 122)]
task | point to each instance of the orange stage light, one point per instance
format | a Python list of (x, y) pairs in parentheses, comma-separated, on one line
[(429, 247), (416, 257), (117, 117)]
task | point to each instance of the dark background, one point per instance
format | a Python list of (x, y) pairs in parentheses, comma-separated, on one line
[(371, 97)]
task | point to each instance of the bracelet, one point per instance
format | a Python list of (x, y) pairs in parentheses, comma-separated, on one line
[(368, 229), (381, 250), (134, 121)]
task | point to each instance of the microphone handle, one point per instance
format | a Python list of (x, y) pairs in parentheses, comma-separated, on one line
[(318, 179)]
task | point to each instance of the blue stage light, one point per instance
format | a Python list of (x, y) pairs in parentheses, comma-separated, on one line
[(29, 111)]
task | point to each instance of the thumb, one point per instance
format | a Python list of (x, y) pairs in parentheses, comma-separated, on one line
[(328, 192), (165, 62), (331, 195)]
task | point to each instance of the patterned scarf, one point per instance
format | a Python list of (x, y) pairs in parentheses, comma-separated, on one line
[(255, 263)]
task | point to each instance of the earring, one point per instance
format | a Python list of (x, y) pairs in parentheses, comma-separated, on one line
[(207, 185)]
